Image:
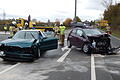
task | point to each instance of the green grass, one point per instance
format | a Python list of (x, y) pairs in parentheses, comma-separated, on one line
[(116, 33)]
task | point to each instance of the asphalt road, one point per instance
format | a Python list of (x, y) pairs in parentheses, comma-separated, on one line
[(64, 64)]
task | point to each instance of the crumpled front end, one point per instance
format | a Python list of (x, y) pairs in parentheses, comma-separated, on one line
[(16, 53), (100, 44)]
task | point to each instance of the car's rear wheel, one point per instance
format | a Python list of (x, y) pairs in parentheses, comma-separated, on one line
[(69, 44), (86, 49)]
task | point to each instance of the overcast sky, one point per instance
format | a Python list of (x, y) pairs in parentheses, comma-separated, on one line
[(51, 9)]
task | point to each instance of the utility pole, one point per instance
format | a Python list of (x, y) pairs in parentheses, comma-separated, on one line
[(75, 10), (4, 14)]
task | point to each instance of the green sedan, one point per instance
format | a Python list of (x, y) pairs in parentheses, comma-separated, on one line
[(26, 45)]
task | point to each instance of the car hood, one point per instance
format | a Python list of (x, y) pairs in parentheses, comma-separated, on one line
[(18, 42), (98, 36)]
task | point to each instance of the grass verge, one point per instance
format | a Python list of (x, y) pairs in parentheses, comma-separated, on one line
[(116, 33)]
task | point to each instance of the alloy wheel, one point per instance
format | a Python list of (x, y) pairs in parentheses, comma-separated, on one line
[(85, 48)]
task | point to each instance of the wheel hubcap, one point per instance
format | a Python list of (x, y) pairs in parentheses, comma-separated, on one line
[(85, 48)]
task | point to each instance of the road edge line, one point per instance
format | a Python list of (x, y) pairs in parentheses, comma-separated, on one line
[(9, 68), (115, 37), (93, 73), (62, 58)]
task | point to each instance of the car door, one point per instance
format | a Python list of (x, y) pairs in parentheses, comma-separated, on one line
[(79, 38), (72, 36), (48, 43)]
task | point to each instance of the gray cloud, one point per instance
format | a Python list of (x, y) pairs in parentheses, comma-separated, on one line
[(95, 5), (7, 16)]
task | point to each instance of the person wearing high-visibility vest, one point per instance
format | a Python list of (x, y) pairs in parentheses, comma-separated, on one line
[(11, 32), (5, 28), (62, 34), (56, 29)]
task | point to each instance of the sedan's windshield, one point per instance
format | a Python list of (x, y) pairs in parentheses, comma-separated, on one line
[(26, 35), (92, 32)]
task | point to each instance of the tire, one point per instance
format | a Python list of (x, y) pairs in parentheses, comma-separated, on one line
[(5, 59), (86, 48), (69, 44)]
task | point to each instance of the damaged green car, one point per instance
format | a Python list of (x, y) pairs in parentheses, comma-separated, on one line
[(26, 45)]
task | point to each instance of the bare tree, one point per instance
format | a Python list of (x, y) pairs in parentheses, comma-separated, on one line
[(108, 3)]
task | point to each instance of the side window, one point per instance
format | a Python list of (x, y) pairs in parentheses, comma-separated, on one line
[(31, 35), (79, 32), (74, 31), (28, 35)]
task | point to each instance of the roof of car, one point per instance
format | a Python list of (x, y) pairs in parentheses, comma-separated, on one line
[(30, 30), (34, 30), (84, 28)]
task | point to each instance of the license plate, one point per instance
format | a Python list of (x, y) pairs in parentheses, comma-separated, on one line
[(2, 53)]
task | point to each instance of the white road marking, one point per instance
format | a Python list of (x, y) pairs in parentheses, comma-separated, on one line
[(115, 37), (9, 68), (98, 55), (118, 52), (58, 42), (1, 59), (62, 58), (64, 48), (65, 39), (93, 73)]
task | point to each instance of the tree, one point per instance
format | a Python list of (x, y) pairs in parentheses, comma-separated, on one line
[(107, 3), (67, 22), (112, 15), (57, 22), (34, 20), (77, 19)]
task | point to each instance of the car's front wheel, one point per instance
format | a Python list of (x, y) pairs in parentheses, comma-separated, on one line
[(69, 44), (86, 49)]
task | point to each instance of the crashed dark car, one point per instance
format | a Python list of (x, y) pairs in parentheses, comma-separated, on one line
[(26, 45), (89, 40)]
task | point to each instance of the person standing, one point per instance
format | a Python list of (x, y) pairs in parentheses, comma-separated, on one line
[(10, 29), (62, 34), (5, 28), (56, 29), (108, 30)]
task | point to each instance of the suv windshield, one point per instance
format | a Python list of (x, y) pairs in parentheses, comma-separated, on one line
[(92, 32)]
